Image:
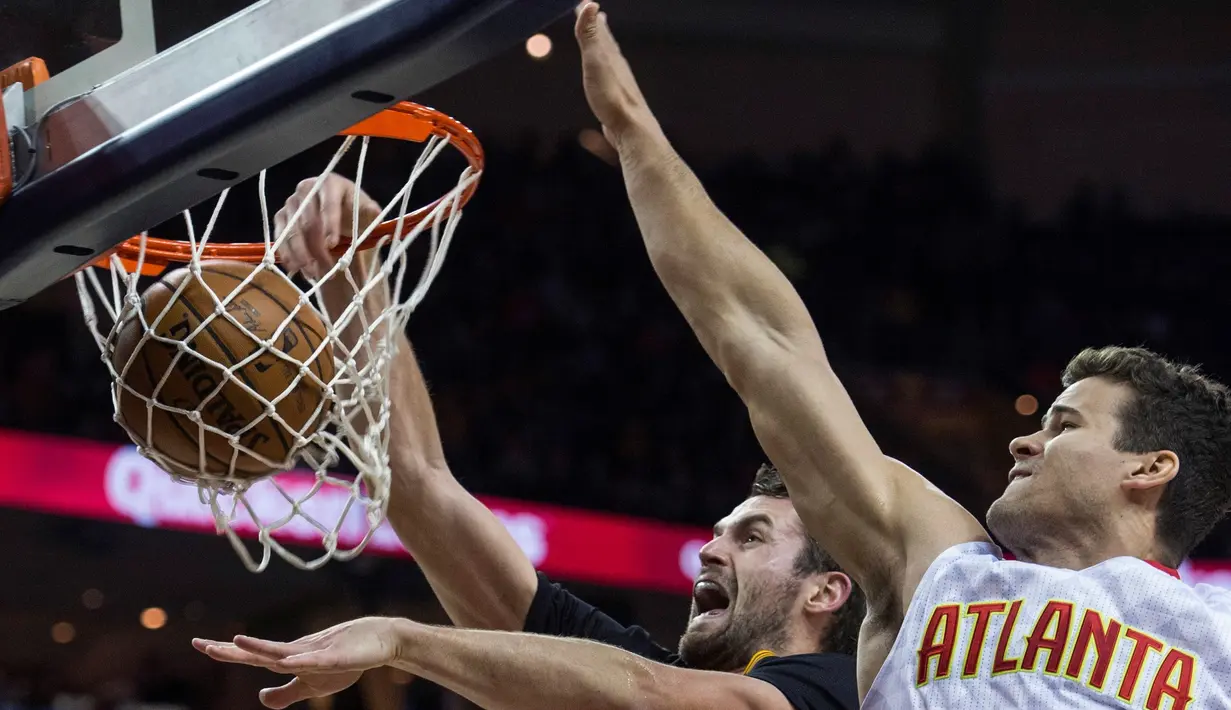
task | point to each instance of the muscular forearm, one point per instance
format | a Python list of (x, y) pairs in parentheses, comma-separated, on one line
[(475, 567), (756, 329), (503, 671), (732, 295), (478, 572)]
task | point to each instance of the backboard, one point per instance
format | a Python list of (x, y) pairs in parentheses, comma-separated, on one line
[(153, 106)]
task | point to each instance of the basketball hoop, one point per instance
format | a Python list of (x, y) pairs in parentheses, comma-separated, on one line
[(405, 121), (353, 414)]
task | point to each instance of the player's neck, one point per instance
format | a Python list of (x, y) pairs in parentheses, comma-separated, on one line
[(800, 640), (1079, 549)]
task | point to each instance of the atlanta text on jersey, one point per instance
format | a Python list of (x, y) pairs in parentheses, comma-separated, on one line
[(991, 638)]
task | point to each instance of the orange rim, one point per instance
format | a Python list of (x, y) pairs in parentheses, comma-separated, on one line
[(30, 72), (404, 121)]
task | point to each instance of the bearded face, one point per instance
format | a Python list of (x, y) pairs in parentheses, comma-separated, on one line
[(747, 593)]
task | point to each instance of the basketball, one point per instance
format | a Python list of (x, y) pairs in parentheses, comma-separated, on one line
[(199, 383)]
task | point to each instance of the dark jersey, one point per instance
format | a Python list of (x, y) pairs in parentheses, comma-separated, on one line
[(809, 681)]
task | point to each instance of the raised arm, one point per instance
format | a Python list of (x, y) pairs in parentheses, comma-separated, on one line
[(882, 522), (474, 566), (494, 670)]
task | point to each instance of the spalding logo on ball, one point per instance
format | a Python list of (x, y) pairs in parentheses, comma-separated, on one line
[(196, 381)]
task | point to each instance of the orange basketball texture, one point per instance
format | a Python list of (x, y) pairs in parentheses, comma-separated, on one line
[(261, 307)]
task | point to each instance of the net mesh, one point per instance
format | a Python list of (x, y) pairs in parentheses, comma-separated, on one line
[(350, 424)]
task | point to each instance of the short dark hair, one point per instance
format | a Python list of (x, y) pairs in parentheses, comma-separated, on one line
[(1173, 407), (843, 634)]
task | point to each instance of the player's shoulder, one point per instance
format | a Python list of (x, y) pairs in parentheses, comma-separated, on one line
[(970, 562), (804, 662), (809, 681), (1216, 598), (965, 558)]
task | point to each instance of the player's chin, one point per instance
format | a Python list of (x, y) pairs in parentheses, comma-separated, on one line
[(1013, 510), (1017, 492)]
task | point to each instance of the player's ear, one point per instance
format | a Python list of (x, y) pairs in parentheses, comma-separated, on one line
[(1156, 468), (826, 592)]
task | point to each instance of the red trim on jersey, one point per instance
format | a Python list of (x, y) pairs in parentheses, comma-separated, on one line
[(1163, 568), (1156, 565)]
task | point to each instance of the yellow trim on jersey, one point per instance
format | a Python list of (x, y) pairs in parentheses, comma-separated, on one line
[(756, 658)]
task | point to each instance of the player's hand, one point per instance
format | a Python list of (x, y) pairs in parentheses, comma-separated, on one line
[(326, 220), (611, 89), (323, 663)]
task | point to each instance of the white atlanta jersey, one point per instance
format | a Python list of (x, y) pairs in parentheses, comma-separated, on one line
[(986, 633)]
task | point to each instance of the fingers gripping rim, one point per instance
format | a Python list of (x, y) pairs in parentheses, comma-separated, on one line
[(406, 121)]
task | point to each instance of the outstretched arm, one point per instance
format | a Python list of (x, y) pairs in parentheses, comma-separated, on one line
[(494, 670), (474, 566), (881, 521)]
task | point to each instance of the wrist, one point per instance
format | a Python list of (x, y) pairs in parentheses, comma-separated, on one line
[(408, 636), (638, 137)]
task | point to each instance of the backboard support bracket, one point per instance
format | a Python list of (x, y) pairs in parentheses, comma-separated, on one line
[(135, 46)]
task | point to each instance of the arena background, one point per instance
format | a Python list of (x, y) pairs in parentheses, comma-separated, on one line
[(965, 192)]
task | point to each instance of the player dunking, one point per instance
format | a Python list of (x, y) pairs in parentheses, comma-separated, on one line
[(1127, 474), (773, 623), (772, 618), (770, 610)]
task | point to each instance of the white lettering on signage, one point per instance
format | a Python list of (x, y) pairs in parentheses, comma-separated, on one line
[(138, 489), (690, 558)]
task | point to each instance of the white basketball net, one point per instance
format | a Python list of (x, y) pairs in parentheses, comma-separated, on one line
[(356, 424)]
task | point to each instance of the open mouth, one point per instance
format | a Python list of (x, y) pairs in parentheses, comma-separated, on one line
[(711, 599)]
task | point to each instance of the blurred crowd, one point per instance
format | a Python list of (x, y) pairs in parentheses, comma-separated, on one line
[(562, 372)]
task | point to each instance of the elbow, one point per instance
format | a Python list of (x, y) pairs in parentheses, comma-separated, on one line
[(686, 689), (761, 359)]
